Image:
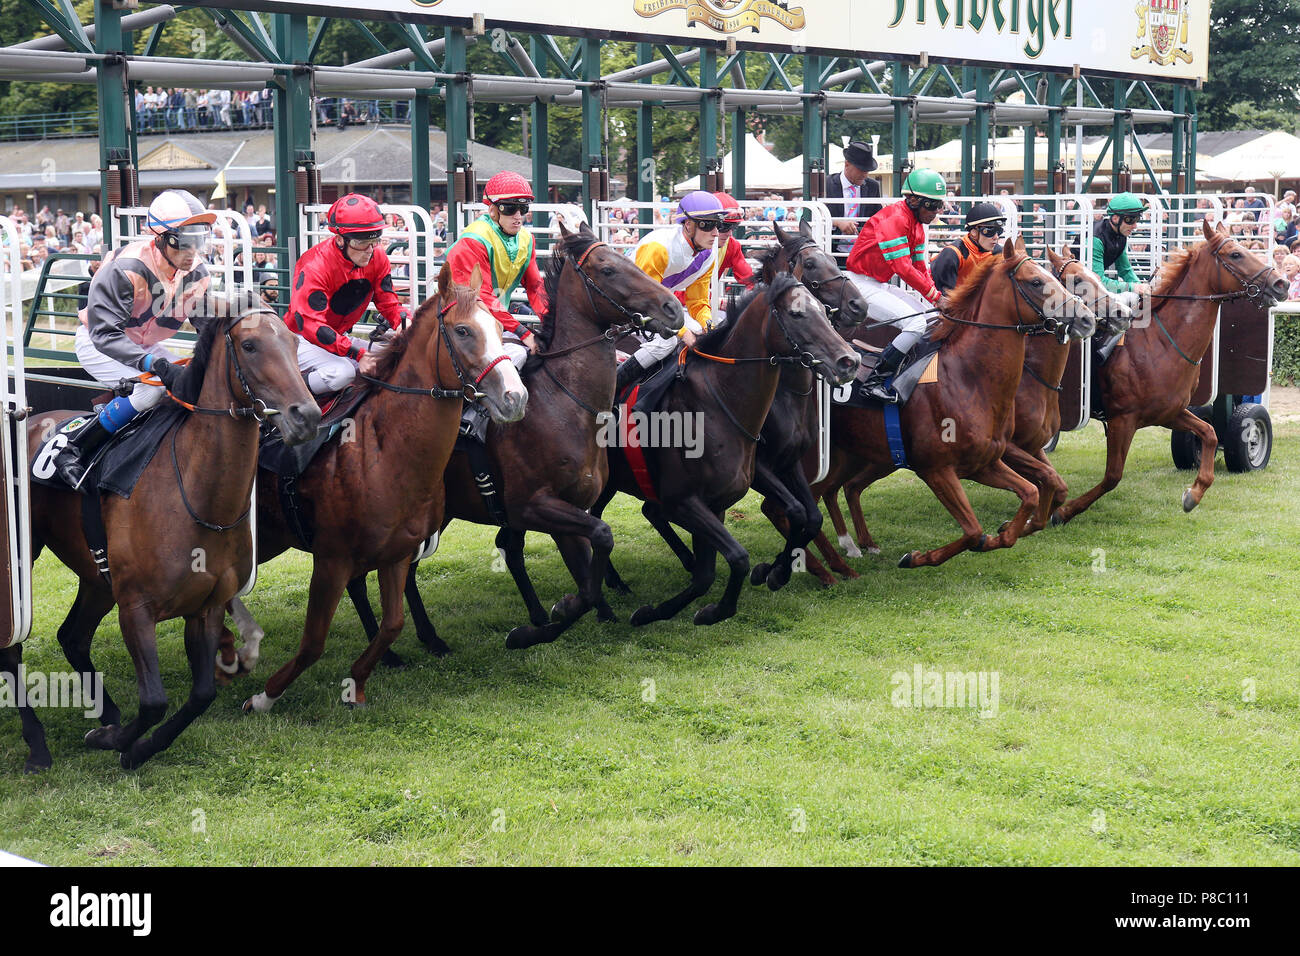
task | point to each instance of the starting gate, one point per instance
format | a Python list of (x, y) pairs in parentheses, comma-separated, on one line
[(15, 509)]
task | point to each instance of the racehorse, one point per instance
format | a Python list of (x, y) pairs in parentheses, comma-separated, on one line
[(401, 437), (728, 378), (1150, 379), (792, 423), (983, 329), (1038, 400), (552, 465), (180, 545)]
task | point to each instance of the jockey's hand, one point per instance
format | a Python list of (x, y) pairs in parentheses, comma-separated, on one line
[(688, 338), (942, 305), (166, 372), (532, 344), (368, 364)]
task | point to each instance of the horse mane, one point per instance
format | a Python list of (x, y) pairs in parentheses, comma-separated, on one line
[(391, 354), (781, 283), (217, 314), (574, 244), (964, 300), (1172, 269)]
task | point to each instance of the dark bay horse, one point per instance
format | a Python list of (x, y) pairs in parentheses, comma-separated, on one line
[(729, 381), (959, 427), (1151, 378), (551, 466), (1038, 398), (791, 427), (191, 502), (376, 497)]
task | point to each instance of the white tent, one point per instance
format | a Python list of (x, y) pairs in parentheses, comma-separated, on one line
[(1274, 156), (762, 171)]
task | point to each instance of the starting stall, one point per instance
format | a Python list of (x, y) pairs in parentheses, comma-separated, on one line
[(16, 611)]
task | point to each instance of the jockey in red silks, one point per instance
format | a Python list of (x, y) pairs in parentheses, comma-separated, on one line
[(138, 299), (334, 283)]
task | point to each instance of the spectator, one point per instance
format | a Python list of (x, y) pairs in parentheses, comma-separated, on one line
[(1254, 203), (1291, 269), (63, 228), (191, 110), (262, 225)]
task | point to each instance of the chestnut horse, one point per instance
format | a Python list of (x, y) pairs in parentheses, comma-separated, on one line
[(190, 502), (729, 381), (959, 427), (552, 465), (376, 497), (1150, 379), (1038, 398)]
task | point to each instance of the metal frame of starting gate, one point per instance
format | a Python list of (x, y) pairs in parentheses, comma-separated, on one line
[(17, 497)]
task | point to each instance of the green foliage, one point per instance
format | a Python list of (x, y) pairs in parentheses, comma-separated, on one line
[(1286, 349), (1254, 52)]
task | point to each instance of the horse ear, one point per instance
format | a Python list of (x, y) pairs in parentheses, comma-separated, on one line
[(805, 230), (781, 235), (1020, 244), (564, 232), (1053, 258), (1208, 229), (444, 280), (1009, 249), (476, 279), (1066, 252)]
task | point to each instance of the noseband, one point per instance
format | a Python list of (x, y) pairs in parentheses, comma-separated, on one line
[(816, 285)]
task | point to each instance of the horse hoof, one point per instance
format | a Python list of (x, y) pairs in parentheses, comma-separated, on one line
[(760, 573), (778, 577), (525, 635), (132, 758), (710, 614), (606, 615), (566, 609), (645, 614), (850, 549), (1002, 528), (871, 550), (1189, 502), (906, 560), (101, 738), (393, 660), (540, 618), (34, 766), (1057, 519), (358, 704), (982, 544), (436, 646)]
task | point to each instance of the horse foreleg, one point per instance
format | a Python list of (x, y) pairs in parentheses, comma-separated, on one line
[(654, 514), (140, 632), (1119, 438), (947, 488), (328, 580), (250, 633), (1187, 421), (786, 512), (201, 635), (510, 545), (853, 489), (392, 578), (360, 597), (38, 752), (695, 517), (1000, 475), (92, 603), (424, 628), (1051, 487)]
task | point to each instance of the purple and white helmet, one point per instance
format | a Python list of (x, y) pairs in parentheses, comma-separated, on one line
[(699, 205)]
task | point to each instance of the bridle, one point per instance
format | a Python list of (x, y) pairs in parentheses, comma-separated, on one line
[(1045, 324), (468, 390), (816, 285), (636, 320)]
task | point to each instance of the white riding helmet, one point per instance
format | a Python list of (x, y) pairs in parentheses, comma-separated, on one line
[(182, 221)]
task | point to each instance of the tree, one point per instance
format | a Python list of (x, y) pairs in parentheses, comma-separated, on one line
[(1254, 60)]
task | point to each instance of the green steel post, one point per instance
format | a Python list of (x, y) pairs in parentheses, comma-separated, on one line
[(539, 139), (967, 141), (900, 90), (1030, 164), (421, 188), (708, 111), (292, 107), (1191, 141), (738, 153), (1178, 148), (454, 61), (1118, 134), (110, 83), (814, 144), (645, 151), (592, 153), (983, 94), (1053, 148)]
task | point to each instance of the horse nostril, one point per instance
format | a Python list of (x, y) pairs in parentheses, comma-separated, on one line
[(846, 364)]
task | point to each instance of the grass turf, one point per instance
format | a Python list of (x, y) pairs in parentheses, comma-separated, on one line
[(1147, 714)]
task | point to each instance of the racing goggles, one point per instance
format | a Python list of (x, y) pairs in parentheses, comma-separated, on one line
[(509, 208), (194, 237), (713, 225), (932, 204), (365, 240), (1130, 218), (991, 230)]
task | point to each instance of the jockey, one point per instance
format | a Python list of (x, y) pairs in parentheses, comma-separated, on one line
[(985, 223), (733, 257), (333, 284), (1110, 244), (137, 300), (892, 243), (500, 245), (683, 258)]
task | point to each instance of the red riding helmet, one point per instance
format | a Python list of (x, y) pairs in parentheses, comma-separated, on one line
[(731, 210), (507, 186), (356, 216)]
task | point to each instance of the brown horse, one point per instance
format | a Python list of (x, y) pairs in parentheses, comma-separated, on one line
[(1150, 379), (729, 380), (376, 497), (551, 465), (1038, 398), (960, 427), (180, 545)]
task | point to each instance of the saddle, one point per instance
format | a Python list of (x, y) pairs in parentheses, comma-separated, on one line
[(643, 398), (119, 462), (290, 461), (920, 367)]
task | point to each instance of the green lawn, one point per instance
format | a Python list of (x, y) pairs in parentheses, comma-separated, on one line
[(1121, 736)]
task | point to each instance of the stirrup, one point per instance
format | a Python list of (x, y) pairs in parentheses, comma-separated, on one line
[(881, 392)]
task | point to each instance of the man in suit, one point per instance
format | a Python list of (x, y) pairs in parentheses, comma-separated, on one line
[(850, 184)]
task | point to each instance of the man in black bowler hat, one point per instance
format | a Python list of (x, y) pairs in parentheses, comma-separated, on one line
[(851, 184)]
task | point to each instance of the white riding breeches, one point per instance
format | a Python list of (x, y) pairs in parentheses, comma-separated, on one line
[(326, 371), (658, 348), (109, 371), (514, 349), (892, 305)]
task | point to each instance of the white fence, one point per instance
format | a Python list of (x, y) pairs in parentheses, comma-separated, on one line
[(17, 498)]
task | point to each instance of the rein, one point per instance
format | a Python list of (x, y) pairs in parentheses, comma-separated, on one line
[(1046, 324), (1041, 381), (468, 390), (636, 321), (815, 285)]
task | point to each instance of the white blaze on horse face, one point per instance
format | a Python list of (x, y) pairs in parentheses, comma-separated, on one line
[(513, 393)]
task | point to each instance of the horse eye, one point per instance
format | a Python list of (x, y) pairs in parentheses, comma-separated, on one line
[(808, 263), (462, 331), (1236, 255), (1037, 282), (607, 271), (248, 346)]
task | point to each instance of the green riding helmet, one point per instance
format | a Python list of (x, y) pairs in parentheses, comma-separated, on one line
[(1126, 204), (925, 183)]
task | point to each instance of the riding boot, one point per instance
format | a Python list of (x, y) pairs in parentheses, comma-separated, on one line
[(474, 422), (1103, 351), (874, 385), (629, 373), (70, 464)]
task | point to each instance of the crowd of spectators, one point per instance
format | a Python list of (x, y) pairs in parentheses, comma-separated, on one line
[(159, 110)]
